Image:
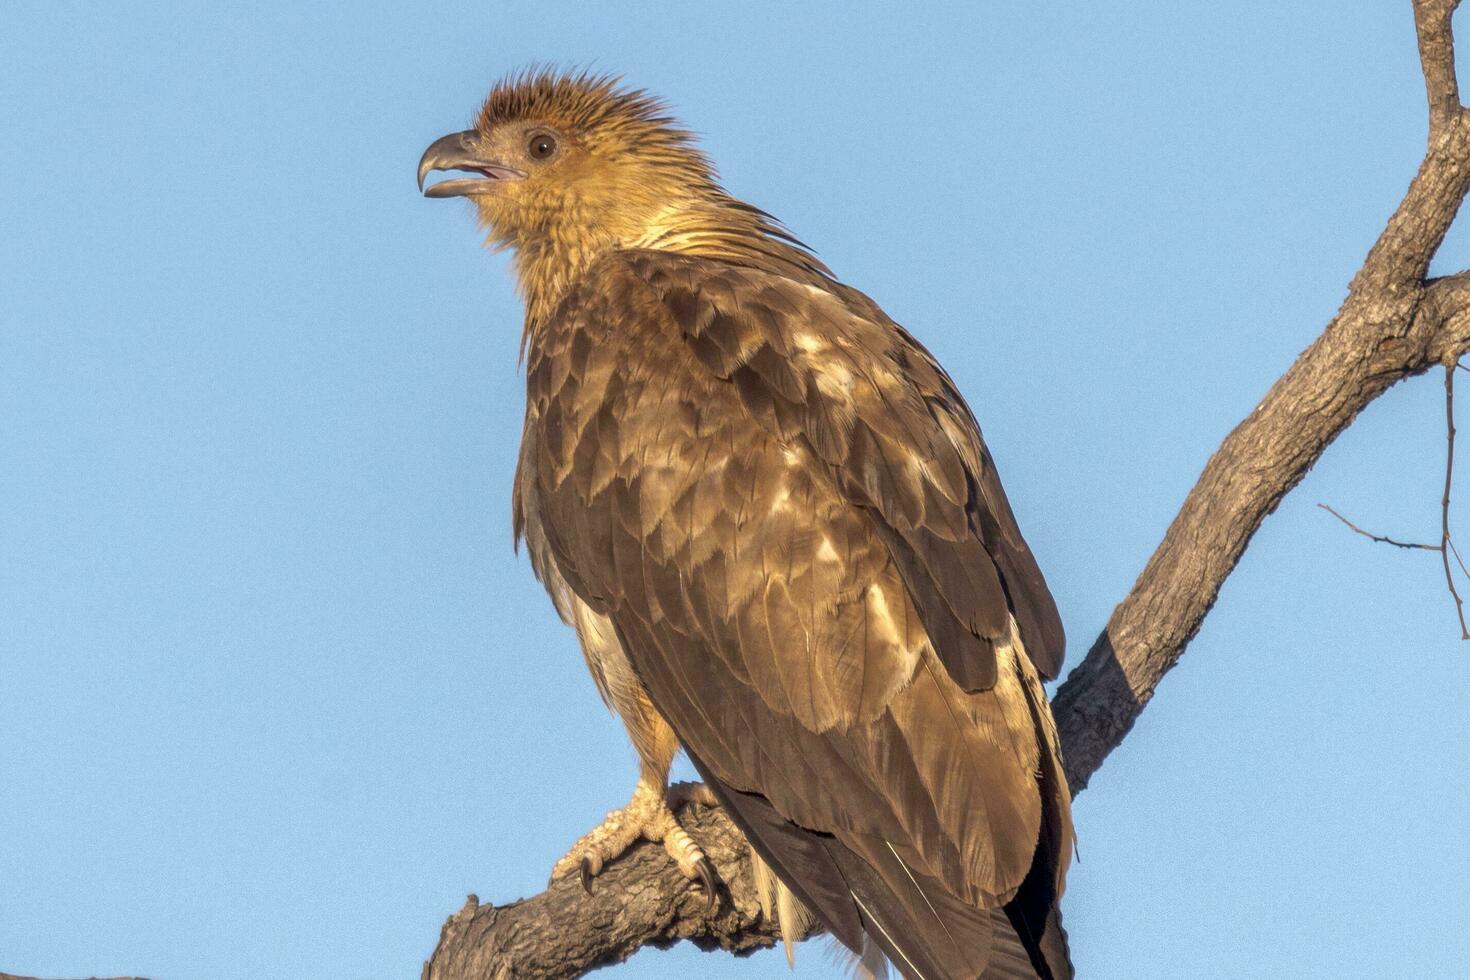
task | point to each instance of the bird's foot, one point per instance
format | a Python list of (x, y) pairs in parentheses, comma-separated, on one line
[(648, 816)]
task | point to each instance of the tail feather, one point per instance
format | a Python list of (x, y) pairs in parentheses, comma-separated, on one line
[(872, 964), (869, 964), (779, 904), (876, 898)]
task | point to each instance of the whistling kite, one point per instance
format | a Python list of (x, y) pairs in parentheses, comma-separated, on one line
[(771, 518)]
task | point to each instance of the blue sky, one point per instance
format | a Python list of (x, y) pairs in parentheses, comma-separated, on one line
[(275, 694)]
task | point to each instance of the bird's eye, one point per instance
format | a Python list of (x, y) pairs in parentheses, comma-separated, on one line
[(542, 146)]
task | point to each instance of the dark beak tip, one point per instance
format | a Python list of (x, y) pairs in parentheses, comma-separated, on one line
[(444, 154)]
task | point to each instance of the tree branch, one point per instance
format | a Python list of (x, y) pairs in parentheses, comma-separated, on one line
[(1380, 538), (638, 900), (1446, 544), (1392, 325), (1437, 58)]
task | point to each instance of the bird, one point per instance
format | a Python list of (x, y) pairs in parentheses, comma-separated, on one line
[(771, 518)]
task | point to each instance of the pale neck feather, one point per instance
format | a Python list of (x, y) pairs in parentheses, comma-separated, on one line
[(713, 226)]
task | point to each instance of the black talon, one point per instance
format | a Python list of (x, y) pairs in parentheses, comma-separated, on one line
[(586, 875), (710, 881)]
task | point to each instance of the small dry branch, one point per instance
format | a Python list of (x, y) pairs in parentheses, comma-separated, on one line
[(1446, 546)]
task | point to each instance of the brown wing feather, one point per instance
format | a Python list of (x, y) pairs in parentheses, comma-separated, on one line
[(828, 368), (792, 545)]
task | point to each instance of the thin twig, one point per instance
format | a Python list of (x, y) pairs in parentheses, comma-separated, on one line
[(1446, 546), (1456, 552), (1449, 477), (1379, 537)]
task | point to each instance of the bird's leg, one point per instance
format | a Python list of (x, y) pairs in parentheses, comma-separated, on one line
[(649, 815)]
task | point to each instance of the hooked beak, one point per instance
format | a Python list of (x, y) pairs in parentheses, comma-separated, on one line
[(457, 151)]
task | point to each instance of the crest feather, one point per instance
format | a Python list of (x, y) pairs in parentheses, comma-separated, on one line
[(596, 107)]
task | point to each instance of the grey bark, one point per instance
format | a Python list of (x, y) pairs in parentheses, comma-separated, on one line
[(639, 900), (1392, 325)]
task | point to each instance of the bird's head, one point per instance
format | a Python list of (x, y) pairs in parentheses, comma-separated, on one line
[(569, 161)]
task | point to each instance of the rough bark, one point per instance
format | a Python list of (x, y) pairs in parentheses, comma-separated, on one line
[(639, 900), (1393, 325)]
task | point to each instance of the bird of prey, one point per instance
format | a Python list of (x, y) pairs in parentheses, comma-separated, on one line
[(771, 518)]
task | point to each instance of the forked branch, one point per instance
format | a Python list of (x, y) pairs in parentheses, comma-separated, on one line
[(1392, 325)]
